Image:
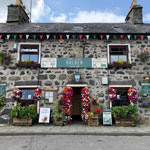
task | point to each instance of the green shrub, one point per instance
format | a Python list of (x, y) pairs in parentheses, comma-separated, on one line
[(125, 112), (2, 101), (24, 112)]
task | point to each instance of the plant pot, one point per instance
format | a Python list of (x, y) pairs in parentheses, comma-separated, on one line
[(22, 122), (124, 122), (59, 123)]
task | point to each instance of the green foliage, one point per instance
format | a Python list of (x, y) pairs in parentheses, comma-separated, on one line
[(144, 56), (5, 58), (120, 61), (2, 101), (28, 60), (125, 112), (24, 112), (58, 113)]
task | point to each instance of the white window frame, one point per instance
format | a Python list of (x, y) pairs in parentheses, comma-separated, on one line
[(129, 51), (26, 43)]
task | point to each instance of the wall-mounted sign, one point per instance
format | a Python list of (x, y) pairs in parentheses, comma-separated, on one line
[(73, 63), (2, 88), (49, 63), (145, 87), (107, 117), (44, 116)]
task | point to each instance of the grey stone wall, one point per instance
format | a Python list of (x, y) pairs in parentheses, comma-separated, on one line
[(58, 78)]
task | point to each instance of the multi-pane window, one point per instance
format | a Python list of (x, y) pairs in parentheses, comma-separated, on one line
[(50, 96), (117, 53), (122, 96), (27, 96), (29, 53)]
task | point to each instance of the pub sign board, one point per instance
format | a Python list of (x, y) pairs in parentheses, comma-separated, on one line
[(73, 63), (107, 117), (2, 88), (145, 87)]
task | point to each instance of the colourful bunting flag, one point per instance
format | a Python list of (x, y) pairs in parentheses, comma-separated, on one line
[(129, 37), (107, 37), (15, 36), (27, 36), (20, 36), (8, 37), (1, 36), (87, 37), (101, 37), (80, 36), (47, 36), (67, 36)]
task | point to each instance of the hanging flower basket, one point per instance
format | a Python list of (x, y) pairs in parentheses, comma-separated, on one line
[(67, 96), (85, 99), (132, 94), (17, 94), (37, 94), (112, 94)]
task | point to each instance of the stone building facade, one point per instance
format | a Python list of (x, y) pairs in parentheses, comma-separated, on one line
[(60, 40)]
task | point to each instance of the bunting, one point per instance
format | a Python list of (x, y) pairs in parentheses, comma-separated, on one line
[(73, 36), (20, 36), (41, 37), (54, 36), (107, 37), (8, 37), (61, 36), (129, 37), (148, 37), (67, 36), (47, 36), (142, 37), (121, 37), (1, 36), (101, 36), (15, 36), (80, 36), (87, 37), (34, 36), (27, 36)]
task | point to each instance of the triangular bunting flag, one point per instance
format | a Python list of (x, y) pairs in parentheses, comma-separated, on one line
[(8, 37), (107, 37), (27, 36), (148, 37), (34, 37), (41, 37), (101, 37), (73, 36), (80, 36), (121, 37), (87, 37), (61, 36), (67, 36), (15, 36), (129, 37), (94, 36), (135, 37), (47, 36), (1, 36), (142, 37), (114, 37), (20, 36), (54, 36)]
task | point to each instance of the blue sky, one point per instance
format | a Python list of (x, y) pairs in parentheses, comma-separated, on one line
[(78, 10)]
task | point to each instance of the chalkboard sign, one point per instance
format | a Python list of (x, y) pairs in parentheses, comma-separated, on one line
[(2, 88), (145, 87)]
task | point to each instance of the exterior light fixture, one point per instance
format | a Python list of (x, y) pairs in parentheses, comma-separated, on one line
[(77, 77)]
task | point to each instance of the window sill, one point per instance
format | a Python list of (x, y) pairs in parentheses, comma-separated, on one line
[(27, 65), (119, 65)]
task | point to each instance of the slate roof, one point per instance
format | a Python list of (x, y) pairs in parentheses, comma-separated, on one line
[(104, 28)]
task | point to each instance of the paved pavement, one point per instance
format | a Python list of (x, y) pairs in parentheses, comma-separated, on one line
[(74, 129)]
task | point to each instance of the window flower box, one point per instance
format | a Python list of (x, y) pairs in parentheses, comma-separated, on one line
[(117, 65), (124, 122), (28, 65)]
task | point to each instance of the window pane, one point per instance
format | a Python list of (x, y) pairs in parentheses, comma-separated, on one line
[(27, 93), (24, 57), (24, 94), (114, 58), (30, 94), (34, 57), (123, 57)]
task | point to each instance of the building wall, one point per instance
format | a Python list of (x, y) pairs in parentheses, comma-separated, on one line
[(58, 78)]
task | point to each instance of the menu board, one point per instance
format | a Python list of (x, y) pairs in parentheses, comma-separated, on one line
[(44, 116), (145, 87)]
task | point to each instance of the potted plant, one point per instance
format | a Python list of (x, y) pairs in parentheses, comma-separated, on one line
[(125, 115), (94, 116), (58, 114), (2, 101), (23, 115), (144, 56), (5, 58)]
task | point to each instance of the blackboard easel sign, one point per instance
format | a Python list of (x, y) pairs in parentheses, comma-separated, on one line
[(145, 87)]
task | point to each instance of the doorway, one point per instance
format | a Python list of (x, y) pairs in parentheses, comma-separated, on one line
[(76, 109)]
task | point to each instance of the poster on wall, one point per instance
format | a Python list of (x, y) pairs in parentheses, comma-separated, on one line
[(48, 62), (44, 116)]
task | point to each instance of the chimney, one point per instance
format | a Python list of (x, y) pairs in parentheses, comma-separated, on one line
[(135, 15), (17, 13)]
